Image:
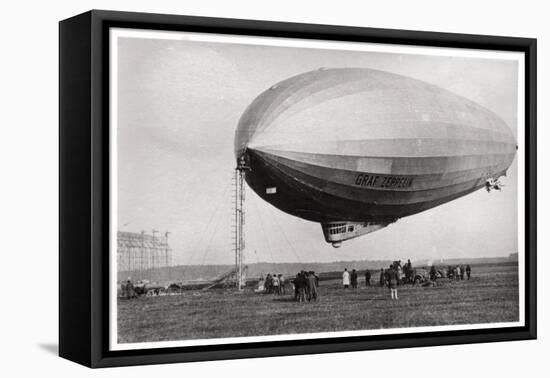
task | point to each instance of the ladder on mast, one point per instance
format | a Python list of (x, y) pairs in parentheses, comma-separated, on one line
[(239, 224)]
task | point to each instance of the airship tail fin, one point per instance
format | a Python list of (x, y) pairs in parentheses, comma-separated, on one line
[(336, 232)]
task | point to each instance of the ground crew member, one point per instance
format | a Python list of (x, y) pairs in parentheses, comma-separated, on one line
[(392, 282), (307, 293), (296, 289), (354, 279), (408, 271), (276, 284), (312, 287), (399, 272), (261, 285), (450, 272), (433, 273), (282, 284), (345, 278), (268, 283), (130, 292), (299, 285)]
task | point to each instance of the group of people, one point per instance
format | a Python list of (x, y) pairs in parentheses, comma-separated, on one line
[(389, 277), (306, 286), (405, 273), (273, 284), (457, 272), (393, 276), (351, 278), (306, 283), (397, 274)]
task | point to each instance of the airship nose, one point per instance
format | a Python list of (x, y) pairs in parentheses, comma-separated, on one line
[(243, 160), (243, 136), (240, 147)]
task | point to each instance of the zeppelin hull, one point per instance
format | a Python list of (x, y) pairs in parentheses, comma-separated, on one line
[(327, 195), (367, 146)]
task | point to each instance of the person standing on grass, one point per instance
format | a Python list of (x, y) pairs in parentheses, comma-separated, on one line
[(354, 279), (468, 271), (267, 284), (296, 287), (300, 285), (316, 279), (367, 278), (409, 271), (433, 273), (345, 278), (281, 284), (462, 271), (382, 278), (392, 282), (312, 287), (129, 288), (276, 284), (307, 293), (399, 272), (261, 285)]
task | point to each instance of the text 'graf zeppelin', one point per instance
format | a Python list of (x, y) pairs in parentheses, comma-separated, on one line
[(376, 181)]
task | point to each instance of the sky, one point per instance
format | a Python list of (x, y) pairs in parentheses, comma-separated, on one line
[(179, 102)]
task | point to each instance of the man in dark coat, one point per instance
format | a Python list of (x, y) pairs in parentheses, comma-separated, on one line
[(307, 293), (367, 278), (129, 289), (312, 287), (382, 278), (268, 283), (468, 271), (300, 287), (392, 282), (296, 288), (450, 272), (408, 271), (354, 279)]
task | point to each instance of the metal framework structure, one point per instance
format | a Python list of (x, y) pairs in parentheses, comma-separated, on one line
[(239, 224), (141, 252)]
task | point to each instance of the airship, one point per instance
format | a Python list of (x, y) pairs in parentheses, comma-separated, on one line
[(356, 149)]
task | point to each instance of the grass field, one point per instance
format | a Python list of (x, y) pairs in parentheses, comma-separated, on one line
[(490, 296)]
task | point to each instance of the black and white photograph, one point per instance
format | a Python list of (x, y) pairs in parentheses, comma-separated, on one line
[(267, 189), (254, 189)]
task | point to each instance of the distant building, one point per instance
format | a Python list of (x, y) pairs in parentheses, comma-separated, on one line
[(141, 251)]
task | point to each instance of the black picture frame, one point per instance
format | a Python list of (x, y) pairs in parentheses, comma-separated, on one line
[(84, 187)]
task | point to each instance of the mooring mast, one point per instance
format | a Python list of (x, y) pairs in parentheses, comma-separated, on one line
[(239, 220)]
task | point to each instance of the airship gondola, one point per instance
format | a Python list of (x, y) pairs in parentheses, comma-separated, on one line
[(355, 149)]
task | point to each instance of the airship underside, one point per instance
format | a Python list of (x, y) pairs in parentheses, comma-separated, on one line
[(356, 149)]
